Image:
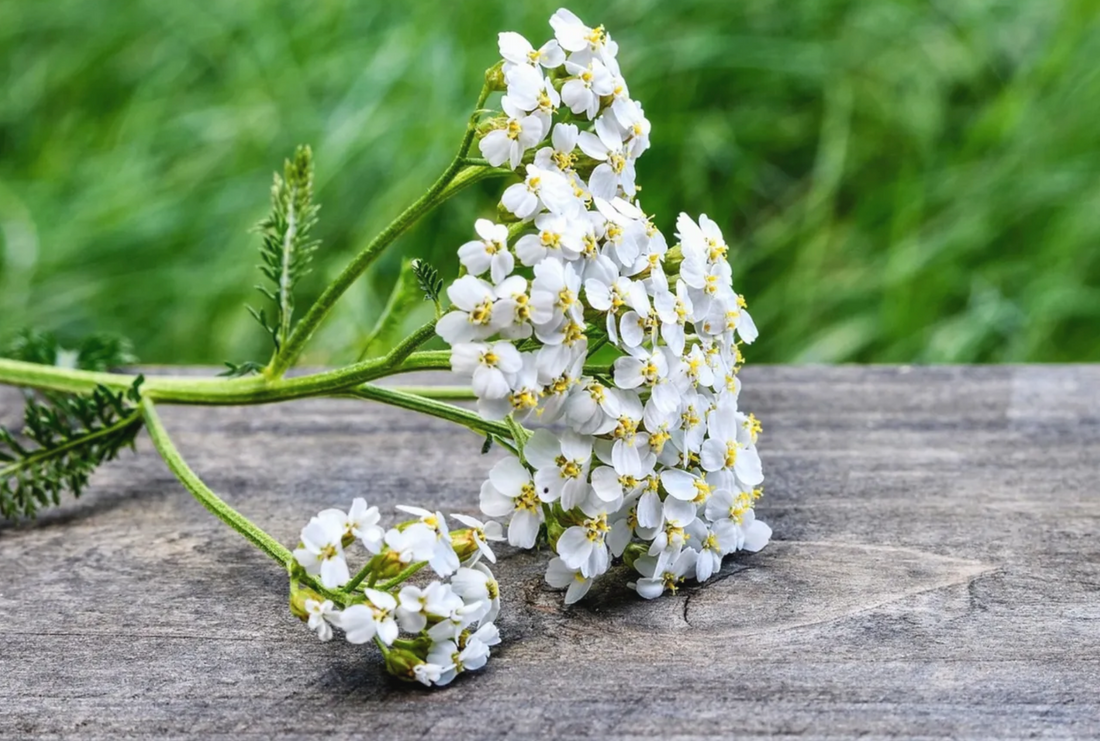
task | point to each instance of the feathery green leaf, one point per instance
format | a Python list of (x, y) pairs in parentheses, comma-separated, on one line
[(97, 352), (427, 277), (64, 438), (287, 247)]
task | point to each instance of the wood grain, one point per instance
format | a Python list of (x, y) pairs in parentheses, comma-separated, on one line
[(935, 572)]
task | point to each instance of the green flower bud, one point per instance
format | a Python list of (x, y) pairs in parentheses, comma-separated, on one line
[(401, 663), (494, 77), (298, 597), (633, 552)]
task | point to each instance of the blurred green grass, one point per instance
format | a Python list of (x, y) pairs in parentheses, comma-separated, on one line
[(903, 180)]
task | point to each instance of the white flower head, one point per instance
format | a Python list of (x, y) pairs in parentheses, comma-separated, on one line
[(490, 253), (541, 190), (322, 614), (483, 533), (509, 142), (560, 576), (518, 51), (362, 622), (510, 492), (488, 365), (322, 552)]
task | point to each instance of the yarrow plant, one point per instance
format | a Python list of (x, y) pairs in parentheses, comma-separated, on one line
[(601, 358)]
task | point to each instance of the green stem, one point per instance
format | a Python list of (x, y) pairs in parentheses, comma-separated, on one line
[(403, 576), (202, 492), (431, 407), (441, 393), (37, 456), (222, 391), (359, 577), (454, 178)]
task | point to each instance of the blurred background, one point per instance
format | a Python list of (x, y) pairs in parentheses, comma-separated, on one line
[(902, 180)]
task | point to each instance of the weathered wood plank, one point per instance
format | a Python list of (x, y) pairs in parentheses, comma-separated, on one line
[(936, 572)]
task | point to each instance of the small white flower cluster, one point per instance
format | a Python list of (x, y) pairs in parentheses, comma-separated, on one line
[(656, 452), (451, 622)]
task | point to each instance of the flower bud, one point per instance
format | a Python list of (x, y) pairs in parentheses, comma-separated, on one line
[(494, 77), (401, 663), (464, 543), (633, 552), (673, 258), (298, 597), (554, 529), (389, 565)]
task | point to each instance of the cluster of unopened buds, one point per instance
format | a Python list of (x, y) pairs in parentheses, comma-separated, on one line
[(573, 315)]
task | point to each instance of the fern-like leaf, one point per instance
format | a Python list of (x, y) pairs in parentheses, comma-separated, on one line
[(287, 247), (65, 438), (97, 352), (427, 277), (239, 370)]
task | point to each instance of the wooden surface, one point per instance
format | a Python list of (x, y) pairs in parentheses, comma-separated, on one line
[(935, 572)]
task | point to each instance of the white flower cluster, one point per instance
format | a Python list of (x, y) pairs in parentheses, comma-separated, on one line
[(451, 622), (655, 451)]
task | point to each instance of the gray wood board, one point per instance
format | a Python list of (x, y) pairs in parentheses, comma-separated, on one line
[(935, 572)]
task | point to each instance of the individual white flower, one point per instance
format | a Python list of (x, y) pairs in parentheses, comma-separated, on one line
[(561, 466), (359, 522), (710, 291), (625, 477), (557, 236), (728, 445), (321, 614), (510, 492), (530, 91), (456, 621), (516, 50), (560, 576), (574, 36), (322, 551), (612, 297), (592, 409), (428, 674), (416, 604), (362, 622), (486, 633), (636, 127), (560, 155), (414, 543), (444, 560), (616, 168), (488, 365), (756, 533), (477, 585), (488, 253), (659, 574), (511, 141), (541, 189), (474, 317), (513, 308), (584, 546), (524, 399), (712, 546), (687, 486), (588, 83), (679, 518), (559, 385), (447, 655), (482, 533), (703, 239), (555, 294), (674, 310)]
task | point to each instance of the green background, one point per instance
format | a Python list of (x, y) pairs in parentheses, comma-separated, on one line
[(901, 181)]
